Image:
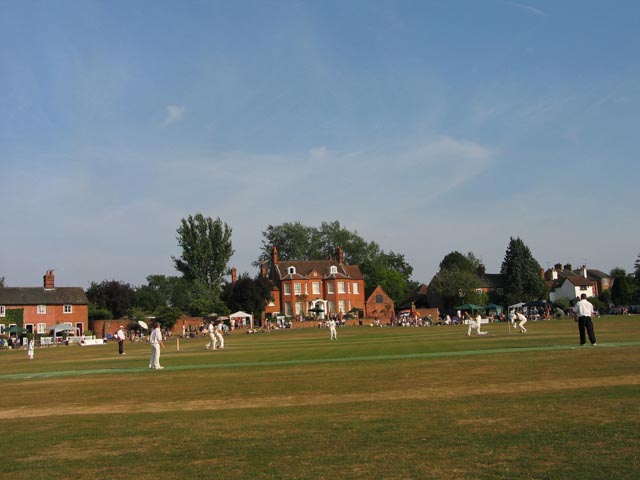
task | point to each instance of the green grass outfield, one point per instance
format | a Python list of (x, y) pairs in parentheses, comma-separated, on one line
[(379, 403)]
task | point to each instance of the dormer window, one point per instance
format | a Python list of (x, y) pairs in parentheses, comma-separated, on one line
[(292, 270), (333, 269)]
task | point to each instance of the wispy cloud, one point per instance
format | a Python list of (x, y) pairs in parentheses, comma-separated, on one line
[(174, 115), (528, 8)]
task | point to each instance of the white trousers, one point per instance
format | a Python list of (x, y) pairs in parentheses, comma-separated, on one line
[(220, 340), (154, 361)]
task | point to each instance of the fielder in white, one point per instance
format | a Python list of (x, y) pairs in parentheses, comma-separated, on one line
[(520, 319), (156, 343), (219, 337), (212, 337), (333, 333)]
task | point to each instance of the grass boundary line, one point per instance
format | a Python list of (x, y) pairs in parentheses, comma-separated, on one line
[(279, 363)]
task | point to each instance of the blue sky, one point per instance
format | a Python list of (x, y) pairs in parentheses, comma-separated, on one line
[(427, 126)]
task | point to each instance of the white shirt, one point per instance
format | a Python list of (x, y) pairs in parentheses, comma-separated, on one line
[(156, 336), (120, 334), (583, 308)]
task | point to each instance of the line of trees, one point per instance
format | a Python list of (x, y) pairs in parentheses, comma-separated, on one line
[(207, 249)]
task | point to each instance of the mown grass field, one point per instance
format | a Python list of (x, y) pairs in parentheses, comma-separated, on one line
[(379, 403)]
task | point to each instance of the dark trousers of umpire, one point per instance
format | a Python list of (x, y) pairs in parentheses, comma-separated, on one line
[(121, 345), (586, 323)]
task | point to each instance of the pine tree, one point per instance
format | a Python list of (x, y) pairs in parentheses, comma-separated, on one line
[(521, 272)]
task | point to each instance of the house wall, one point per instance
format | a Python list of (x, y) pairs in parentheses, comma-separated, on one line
[(383, 309), (306, 295), (570, 291), (54, 315)]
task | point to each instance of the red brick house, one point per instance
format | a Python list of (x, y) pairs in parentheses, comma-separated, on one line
[(321, 286), (379, 305), (42, 308)]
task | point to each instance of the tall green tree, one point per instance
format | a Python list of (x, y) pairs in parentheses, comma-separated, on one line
[(248, 294), (206, 250), (521, 272), (457, 261), (623, 289), (456, 282), (115, 296)]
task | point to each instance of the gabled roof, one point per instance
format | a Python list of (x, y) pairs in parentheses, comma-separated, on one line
[(39, 296), (491, 280), (599, 274), (304, 269), (578, 281), (379, 291)]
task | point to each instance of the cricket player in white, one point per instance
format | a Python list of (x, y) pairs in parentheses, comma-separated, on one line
[(156, 343), (333, 333), (212, 337), (521, 319), (219, 337)]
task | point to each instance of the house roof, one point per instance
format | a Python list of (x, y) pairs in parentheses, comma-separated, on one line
[(323, 267), (39, 296), (599, 274), (379, 291), (579, 281), (491, 280)]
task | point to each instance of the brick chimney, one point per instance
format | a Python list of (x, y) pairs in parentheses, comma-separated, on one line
[(274, 255), (263, 269), (234, 276), (340, 255), (568, 267), (584, 271), (49, 283), (481, 270)]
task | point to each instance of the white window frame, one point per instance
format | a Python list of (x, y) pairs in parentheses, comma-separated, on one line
[(291, 270), (287, 289), (330, 288), (287, 309), (298, 308), (341, 306), (67, 308), (41, 309), (333, 269), (341, 287), (3, 311), (297, 288), (479, 291), (315, 288), (356, 288), (331, 306), (41, 328)]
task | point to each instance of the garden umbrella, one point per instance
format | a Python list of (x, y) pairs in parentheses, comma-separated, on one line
[(470, 306), (63, 327)]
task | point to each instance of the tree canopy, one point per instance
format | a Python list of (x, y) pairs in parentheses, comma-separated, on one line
[(114, 296), (206, 250), (523, 280), (457, 281), (248, 294)]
